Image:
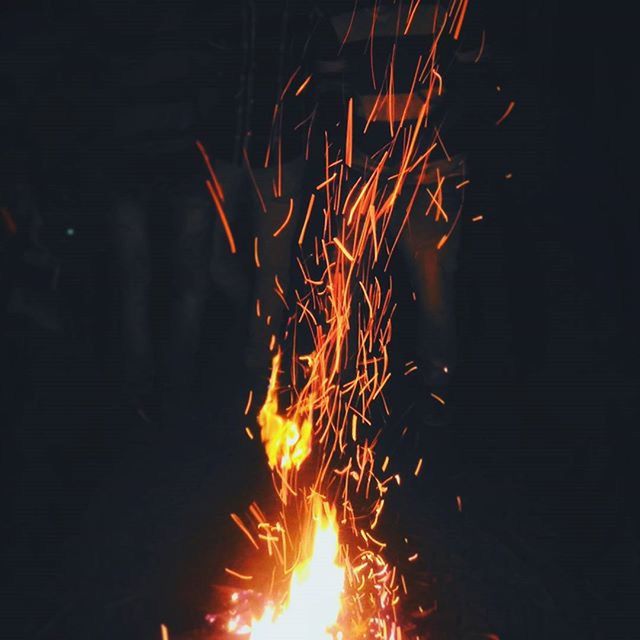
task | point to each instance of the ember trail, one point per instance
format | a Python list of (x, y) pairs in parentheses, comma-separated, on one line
[(385, 168)]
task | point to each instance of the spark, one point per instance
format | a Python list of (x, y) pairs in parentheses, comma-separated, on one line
[(236, 519), (235, 574), (249, 400), (302, 87), (306, 219), (207, 161), (344, 250), (481, 49), (289, 82), (462, 8), (223, 217), (412, 12), (256, 188), (503, 117), (256, 254), (286, 220), (327, 181), (349, 135)]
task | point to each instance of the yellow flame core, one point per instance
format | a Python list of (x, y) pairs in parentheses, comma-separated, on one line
[(314, 602), (286, 443)]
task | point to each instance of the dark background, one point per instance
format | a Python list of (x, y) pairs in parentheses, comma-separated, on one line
[(112, 528)]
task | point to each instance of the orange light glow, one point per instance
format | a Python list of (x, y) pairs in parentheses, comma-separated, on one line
[(314, 601), (286, 442)]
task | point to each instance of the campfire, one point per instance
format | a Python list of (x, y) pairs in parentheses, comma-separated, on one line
[(315, 592), (324, 575)]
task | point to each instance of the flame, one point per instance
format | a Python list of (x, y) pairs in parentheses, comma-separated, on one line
[(315, 594), (344, 310), (286, 443)]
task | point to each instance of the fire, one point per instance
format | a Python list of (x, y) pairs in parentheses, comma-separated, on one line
[(315, 594), (345, 310), (286, 443)]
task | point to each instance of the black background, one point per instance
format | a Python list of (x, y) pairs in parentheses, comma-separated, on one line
[(110, 531)]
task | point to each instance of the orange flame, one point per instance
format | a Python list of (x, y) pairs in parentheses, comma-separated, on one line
[(315, 595), (286, 443)]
